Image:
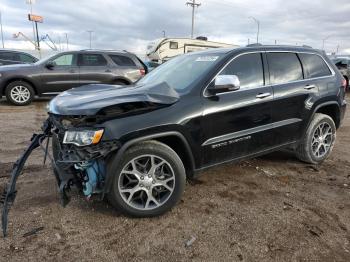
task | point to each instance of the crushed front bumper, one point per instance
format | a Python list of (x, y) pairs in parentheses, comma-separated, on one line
[(70, 165)]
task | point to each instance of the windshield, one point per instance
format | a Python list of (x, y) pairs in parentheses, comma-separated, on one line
[(46, 58), (182, 71)]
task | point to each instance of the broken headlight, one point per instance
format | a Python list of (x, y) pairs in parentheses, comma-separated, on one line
[(82, 137)]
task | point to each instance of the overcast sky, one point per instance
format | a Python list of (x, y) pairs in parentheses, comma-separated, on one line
[(132, 24)]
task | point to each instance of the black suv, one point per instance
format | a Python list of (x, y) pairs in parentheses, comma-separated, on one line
[(138, 144), (60, 72), (11, 57)]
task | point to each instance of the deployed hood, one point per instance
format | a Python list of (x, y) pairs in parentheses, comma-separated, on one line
[(90, 99)]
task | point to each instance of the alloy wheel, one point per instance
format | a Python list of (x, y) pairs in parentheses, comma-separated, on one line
[(322, 140), (146, 182), (20, 94)]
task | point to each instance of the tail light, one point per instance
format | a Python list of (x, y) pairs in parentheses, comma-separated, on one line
[(344, 83), (142, 72)]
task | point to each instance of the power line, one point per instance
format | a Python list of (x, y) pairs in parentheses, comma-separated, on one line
[(193, 4)]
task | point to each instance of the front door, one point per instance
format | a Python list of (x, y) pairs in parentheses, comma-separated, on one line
[(63, 75), (237, 123)]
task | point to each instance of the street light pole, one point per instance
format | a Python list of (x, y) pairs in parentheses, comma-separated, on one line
[(2, 33), (258, 24), (31, 2), (324, 40), (90, 33)]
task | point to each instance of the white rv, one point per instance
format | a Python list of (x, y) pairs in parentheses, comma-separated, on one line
[(163, 49)]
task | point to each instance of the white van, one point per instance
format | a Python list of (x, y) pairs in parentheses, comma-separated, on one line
[(163, 49)]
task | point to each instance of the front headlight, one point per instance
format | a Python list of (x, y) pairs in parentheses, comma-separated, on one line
[(83, 138)]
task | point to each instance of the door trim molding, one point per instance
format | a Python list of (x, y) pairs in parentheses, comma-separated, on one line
[(250, 131)]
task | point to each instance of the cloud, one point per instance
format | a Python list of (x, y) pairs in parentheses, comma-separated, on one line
[(132, 24)]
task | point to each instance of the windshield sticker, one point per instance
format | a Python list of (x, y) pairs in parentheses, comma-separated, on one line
[(207, 58)]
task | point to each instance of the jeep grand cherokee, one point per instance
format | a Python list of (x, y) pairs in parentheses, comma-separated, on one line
[(137, 145)]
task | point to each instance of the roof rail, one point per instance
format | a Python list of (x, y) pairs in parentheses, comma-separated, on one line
[(103, 50), (306, 46), (256, 44)]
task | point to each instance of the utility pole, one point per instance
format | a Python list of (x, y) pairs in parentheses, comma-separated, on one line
[(193, 4), (258, 24), (2, 33), (90, 33)]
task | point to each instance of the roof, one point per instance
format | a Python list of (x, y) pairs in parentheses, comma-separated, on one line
[(253, 48), (103, 50)]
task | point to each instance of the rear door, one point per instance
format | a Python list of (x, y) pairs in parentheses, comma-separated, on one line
[(237, 123), (94, 69), (62, 76), (292, 93)]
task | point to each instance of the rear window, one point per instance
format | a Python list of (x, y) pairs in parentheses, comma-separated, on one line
[(92, 60), (284, 68), (314, 66), (8, 56), (121, 60), (26, 58)]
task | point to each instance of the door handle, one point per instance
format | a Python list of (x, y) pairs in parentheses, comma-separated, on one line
[(309, 87), (108, 71), (263, 95)]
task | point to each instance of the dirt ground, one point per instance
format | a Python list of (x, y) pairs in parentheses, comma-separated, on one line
[(272, 208)]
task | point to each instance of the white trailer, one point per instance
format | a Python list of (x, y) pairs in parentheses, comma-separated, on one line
[(163, 49)]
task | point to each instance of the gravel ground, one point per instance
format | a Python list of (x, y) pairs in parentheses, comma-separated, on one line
[(272, 208)]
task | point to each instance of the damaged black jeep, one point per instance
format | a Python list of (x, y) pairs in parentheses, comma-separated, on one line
[(136, 145)]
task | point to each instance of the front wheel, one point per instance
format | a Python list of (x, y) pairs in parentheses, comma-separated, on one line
[(149, 180), (19, 93), (318, 141)]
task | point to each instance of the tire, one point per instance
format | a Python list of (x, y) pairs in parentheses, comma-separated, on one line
[(307, 149), (19, 93), (144, 184)]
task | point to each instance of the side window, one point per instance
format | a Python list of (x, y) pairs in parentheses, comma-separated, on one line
[(92, 60), (173, 45), (65, 60), (121, 60), (26, 58), (7, 56), (314, 65), (248, 68), (284, 68)]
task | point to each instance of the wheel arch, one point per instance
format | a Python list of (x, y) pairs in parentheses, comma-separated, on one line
[(121, 79), (175, 140), (331, 109), (23, 79)]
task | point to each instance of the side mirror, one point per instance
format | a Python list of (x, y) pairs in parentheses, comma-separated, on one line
[(225, 83), (50, 64)]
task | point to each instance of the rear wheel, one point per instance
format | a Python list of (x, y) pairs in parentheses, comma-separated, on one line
[(318, 140), (149, 180), (19, 93)]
